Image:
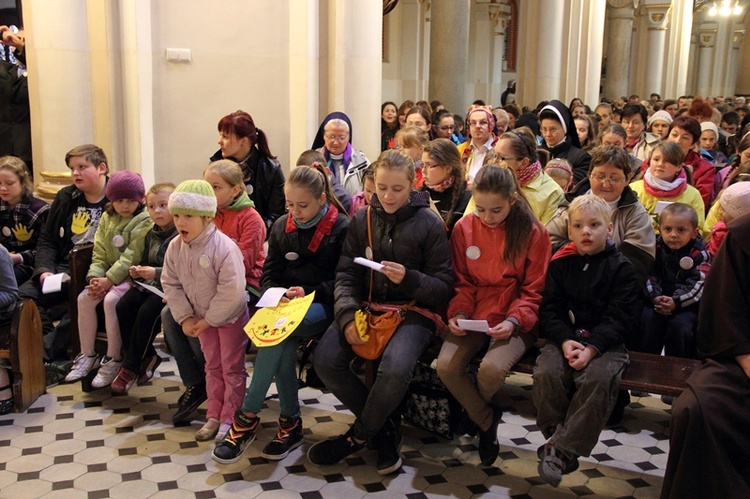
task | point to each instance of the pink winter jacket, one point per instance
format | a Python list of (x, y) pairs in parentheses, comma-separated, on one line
[(205, 279)]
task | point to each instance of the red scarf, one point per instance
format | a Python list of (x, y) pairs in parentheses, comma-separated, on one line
[(526, 175), (673, 193), (322, 229)]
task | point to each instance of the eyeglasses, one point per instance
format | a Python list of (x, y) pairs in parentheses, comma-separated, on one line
[(477, 124), (509, 158), (601, 178), (551, 129), (337, 138), (446, 127)]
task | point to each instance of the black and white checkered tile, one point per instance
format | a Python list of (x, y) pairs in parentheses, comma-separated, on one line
[(72, 444)]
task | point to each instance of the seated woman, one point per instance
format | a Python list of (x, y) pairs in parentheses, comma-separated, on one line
[(658, 124), (632, 231), (409, 240), (444, 180), (585, 128), (244, 143), (639, 142), (561, 138), (666, 180), (500, 255), (517, 150)]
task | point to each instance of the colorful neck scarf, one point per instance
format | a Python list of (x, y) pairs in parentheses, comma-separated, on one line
[(442, 186), (527, 174), (323, 223), (347, 158), (663, 189)]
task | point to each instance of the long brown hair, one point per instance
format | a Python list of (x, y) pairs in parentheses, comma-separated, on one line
[(314, 178), (502, 181), (445, 153)]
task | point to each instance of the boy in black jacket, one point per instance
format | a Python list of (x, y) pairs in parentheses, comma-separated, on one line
[(590, 297)]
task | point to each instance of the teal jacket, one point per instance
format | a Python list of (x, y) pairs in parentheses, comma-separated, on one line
[(113, 255)]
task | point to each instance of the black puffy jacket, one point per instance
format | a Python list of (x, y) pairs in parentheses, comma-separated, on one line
[(416, 238)]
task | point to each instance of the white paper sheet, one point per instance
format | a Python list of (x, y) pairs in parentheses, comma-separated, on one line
[(473, 325), (158, 292), (53, 283), (271, 297), (369, 263), (660, 205)]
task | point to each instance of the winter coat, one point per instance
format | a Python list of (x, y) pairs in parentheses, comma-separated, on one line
[(118, 245), (244, 226)]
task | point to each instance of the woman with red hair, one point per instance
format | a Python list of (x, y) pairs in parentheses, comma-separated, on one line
[(241, 141)]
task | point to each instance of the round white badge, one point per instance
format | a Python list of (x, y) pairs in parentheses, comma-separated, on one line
[(118, 241), (572, 317), (686, 263), (62, 231), (473, 253), (291, 256), (368, 253), (6, 231), (249, 189), (204, 261)]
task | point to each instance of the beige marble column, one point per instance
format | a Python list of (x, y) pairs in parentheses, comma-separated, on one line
[(738, 34), (449, 49), (706, 45), (499, 19), (658, 20), (549, 53), (620, 15), (677, 56)]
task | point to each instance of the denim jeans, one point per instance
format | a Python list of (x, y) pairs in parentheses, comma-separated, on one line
[(573, 424), (279, 361), (371, 407), (186, 350), (675, 332)]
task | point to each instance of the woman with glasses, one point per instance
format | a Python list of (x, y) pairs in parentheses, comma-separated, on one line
[(346, 164), (444, 126), (561, 138), (633, 233), (444, 180)]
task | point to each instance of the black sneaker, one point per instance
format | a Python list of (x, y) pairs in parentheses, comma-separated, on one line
[(239, 436), (333, 450), (489, 447), (193, 397), (554, 464), (288, 438), (388, 442)]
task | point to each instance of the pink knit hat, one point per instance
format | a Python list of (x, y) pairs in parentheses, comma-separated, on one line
[(735, 200), (125, 185)]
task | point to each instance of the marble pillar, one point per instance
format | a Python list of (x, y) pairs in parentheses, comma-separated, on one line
[(499, 19), (620, 33), (738, 34), (449, 46), (706, 44), (677, 56), (658, 19), (549, 53)]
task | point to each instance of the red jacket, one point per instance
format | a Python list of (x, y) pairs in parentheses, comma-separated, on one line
[(246, 228), (487, 287)]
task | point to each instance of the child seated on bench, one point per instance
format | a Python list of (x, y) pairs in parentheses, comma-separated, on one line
[(8, 297), (589, 301)]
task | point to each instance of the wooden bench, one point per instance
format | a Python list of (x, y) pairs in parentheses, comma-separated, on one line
[(646, 372), (21, 343)]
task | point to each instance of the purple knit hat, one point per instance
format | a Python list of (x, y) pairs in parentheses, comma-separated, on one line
[(125, 185)]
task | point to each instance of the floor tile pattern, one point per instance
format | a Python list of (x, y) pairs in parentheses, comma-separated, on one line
[(71, 444)]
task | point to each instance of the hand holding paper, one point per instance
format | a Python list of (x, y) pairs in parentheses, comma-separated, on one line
[(368, 263)]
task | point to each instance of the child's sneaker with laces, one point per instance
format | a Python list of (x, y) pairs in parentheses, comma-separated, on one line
[(288, 438), (239, 436), (82, 365), (107, 372), (123, 381)]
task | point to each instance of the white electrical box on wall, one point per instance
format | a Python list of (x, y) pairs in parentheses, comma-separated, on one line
[(179, 55)]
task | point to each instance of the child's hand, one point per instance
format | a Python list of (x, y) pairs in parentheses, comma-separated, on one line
[(351, 334), (43, 276), (502, 331), (664, 305), (453, 325), (16, 258), (292, 293), (582, 358), (200, 326), (395, 272), (133, 271), (188, 325), (145, 272), (571, 348)]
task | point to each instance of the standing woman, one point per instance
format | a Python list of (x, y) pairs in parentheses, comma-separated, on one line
[(241, 141), (409, 240), (388, 125), (420, 118), (444, 180)]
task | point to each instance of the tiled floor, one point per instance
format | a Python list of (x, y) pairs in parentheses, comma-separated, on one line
[(72, 444)]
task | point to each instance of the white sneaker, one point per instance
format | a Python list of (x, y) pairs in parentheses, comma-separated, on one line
[(82, 365), (107, 373)]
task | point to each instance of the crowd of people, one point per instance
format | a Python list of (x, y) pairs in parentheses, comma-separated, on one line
[(592, 231)]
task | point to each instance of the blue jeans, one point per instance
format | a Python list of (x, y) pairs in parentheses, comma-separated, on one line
[(186, 350), (371, 407), (279, 361), (676, 332)]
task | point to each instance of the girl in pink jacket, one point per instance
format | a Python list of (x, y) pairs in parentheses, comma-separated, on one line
[(203, 281)]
